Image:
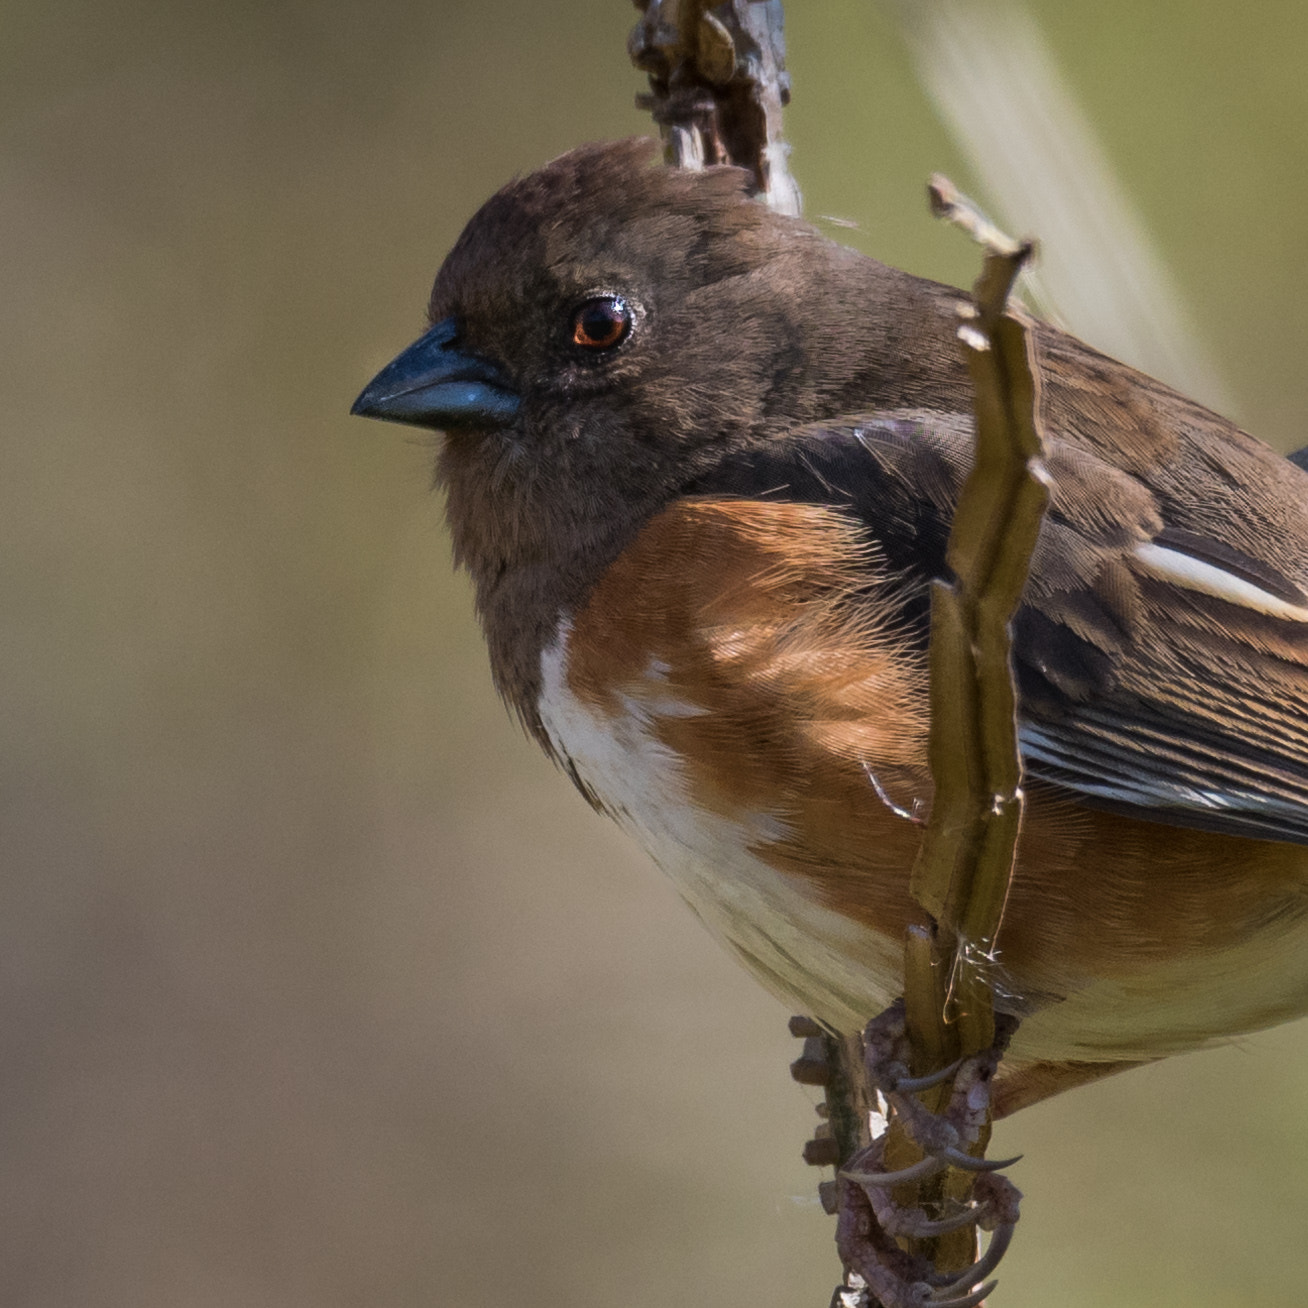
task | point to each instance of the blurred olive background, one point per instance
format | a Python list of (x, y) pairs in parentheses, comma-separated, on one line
[(319, 986)]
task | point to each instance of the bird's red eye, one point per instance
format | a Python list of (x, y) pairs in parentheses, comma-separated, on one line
[(601, 323)]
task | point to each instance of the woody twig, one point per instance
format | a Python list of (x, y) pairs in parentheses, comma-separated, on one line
[(965, 862), (718, 84)]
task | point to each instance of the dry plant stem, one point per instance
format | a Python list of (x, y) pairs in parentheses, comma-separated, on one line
[(850, 1101), (963, 869), (718, 84), (962, 873)]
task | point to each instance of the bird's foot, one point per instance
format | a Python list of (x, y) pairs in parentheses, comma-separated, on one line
[(868, 1220), (872, 1218)]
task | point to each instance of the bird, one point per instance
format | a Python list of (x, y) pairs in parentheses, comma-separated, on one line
[(701, 461)]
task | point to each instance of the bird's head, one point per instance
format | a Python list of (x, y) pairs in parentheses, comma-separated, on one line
[(605, 329)]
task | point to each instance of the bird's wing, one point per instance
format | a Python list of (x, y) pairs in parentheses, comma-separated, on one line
[(1161, 649)]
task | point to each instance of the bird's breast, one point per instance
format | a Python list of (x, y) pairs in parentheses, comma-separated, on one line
[(728, 695)]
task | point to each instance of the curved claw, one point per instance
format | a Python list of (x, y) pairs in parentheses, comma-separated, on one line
[(968, 1300), (911, 1085), (924, 1228), (966, 1163), (984, 1265), (919, 1171)]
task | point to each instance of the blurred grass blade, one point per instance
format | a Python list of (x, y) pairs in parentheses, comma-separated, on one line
[(999, 91)]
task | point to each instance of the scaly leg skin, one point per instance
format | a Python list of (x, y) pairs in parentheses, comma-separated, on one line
[(868, 1217)]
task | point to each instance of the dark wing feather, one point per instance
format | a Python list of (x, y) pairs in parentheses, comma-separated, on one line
[(1137, 692)]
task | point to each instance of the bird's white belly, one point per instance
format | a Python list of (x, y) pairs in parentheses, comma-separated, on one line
[(813, 959)]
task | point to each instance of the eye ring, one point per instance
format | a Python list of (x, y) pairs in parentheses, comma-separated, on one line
[(601, 323)]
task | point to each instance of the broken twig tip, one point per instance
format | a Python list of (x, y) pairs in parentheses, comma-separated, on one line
[(949, 203)]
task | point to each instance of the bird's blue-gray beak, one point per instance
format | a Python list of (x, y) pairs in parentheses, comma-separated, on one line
[(434, 383)]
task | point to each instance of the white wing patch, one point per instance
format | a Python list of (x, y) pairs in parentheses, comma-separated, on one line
[(1193, 574)]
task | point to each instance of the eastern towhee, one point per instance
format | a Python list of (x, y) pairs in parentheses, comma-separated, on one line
[(701, 463)]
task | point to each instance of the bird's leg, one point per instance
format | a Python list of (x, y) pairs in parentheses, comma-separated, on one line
[(877, 1206)]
